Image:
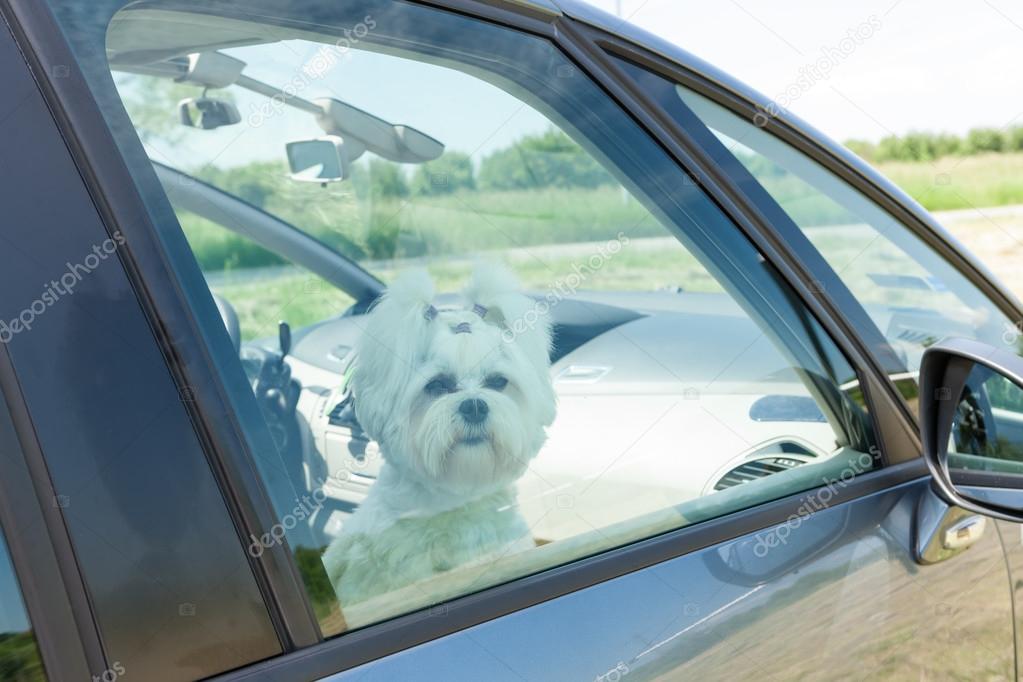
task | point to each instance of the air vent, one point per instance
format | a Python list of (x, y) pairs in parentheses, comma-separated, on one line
[(343, 415), (754, 469)]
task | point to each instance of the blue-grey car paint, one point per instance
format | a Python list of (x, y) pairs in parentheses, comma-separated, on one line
[(850, 603)]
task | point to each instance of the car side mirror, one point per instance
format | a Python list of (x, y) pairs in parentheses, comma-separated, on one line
[(971, 424)]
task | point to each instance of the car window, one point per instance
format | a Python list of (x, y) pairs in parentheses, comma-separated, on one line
[(913, 295), (19, 655), (514, 332)]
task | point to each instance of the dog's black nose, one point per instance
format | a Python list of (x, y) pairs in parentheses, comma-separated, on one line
[(474, 410)]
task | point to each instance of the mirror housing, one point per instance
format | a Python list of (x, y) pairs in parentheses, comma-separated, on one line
[(322, 159), (944, 373), (398, 143)]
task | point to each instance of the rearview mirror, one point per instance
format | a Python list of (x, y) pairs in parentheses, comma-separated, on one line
[(971, 424), (207, 113), (323, 159)]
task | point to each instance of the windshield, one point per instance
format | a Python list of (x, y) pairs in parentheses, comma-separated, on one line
[(525, 192)]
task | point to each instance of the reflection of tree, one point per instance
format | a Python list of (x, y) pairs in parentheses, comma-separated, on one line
[(19, 658), (551, 159), (314, 576)]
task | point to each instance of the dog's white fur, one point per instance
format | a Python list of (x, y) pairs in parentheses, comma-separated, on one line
[(445, 495)]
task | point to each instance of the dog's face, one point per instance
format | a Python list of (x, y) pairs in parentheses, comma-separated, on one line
[(453, 397)]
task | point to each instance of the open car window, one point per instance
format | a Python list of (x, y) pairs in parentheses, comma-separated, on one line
[(515, 332)]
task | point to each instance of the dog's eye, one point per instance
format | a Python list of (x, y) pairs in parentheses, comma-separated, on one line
[(496, 382), (440, 385)]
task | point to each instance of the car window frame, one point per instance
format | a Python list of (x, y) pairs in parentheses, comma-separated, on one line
[(39, 546), (108, 177), (675, 64)]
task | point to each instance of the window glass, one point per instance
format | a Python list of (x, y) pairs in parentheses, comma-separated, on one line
[(987, 429), (913, 295), (19, 655), (518, 333)]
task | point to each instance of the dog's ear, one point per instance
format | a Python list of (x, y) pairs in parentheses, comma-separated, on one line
[(497, 295), (390, 348)]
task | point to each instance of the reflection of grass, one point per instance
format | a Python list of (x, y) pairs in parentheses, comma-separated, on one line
[(262, 301), (262, 298), (459, 223), (961, 182)]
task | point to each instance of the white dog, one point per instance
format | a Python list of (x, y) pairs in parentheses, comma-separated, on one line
[(458, 400)]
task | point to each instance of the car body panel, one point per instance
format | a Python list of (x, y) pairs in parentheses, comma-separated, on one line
[(837, 596)]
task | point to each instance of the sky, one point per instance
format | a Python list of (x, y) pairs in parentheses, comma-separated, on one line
[(853, 70), (936, 65)]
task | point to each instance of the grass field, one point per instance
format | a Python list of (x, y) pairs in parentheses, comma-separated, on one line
[(956, 182), (533, 230)]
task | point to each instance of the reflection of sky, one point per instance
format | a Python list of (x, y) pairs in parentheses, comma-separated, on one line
[(463, 112), (12, 609)]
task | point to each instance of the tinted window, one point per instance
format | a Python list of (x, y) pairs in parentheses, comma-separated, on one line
[(518, 334)]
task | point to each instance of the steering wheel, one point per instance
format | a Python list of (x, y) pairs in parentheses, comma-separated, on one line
[(276, 393), (230, 318)]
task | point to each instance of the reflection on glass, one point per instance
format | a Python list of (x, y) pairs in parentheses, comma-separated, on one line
[(19, 657), (987, 431)]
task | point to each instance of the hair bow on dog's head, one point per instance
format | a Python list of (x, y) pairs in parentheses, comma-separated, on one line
[(431, 313)]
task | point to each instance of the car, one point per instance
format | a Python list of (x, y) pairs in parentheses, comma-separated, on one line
[(789, 425)]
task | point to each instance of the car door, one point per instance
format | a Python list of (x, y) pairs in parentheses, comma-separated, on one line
[(771, 513)]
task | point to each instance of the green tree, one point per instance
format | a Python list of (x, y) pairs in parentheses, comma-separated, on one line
[(550, 159), (980, 140), (1014, 139), (152, 104), (862, 148), (256, 182), (451, 172), (386, 180)]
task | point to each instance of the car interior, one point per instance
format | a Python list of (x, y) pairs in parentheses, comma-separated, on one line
[(618, 354)]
